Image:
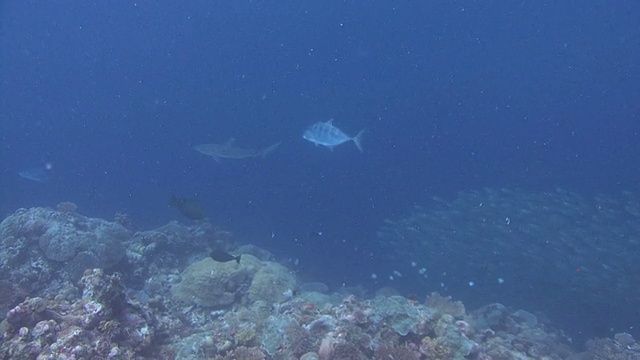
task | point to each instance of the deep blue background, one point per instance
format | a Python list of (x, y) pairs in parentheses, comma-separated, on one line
[(453, 95)]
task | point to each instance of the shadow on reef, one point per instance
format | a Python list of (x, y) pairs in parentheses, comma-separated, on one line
[(80, 288)]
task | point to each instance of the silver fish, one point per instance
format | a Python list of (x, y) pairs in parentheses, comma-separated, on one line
[(326, 134), (229, 151)]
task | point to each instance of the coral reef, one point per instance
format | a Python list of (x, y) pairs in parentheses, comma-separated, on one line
[(219, 284), (214, 284), (346, 351), (622, 347), (243, 353), (183, 306), (444, 305), (435, 349), (270, 283), (103, 323), (396, 353), (64, 238)]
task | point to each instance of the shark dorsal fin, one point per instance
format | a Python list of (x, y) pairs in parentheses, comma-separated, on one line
[(230, 141)]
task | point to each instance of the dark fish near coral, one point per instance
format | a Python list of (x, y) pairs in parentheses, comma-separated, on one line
[(223, 256), (188, 207), (229, 151)]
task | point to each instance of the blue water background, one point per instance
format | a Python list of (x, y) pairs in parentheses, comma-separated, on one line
[(453, 95)]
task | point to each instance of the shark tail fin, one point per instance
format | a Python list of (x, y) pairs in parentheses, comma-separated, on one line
[(266, 151), (358, 140)]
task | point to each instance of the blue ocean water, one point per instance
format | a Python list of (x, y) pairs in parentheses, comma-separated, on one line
[(110, 97)]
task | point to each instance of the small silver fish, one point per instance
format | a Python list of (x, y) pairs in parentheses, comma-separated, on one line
[(288, 294), (326, 134)]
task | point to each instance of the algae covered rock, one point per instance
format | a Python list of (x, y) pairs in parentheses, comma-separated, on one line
[(219, 284), (215, 284), (68, 237), (270, 283)]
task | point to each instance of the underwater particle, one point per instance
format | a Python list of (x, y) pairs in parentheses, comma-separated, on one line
[(414, 264), (397, 273), (507, 220), (471, 283), (374, 276), (391, 277), (500, 281), (422, 271), (441, 284)]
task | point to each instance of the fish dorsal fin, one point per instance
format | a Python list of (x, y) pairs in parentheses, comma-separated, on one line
[(230, 141), (330, 122)]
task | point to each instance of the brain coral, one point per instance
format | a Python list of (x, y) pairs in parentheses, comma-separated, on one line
[(215, 284), (219, 284)]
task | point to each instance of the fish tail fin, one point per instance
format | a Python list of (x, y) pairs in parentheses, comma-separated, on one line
[(237, 259), (269, 149), (358, 140)]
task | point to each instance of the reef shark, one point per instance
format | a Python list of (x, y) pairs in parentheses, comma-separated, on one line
[(229, 151)]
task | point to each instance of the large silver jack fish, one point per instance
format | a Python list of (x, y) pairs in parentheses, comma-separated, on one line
[(326, 134)]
